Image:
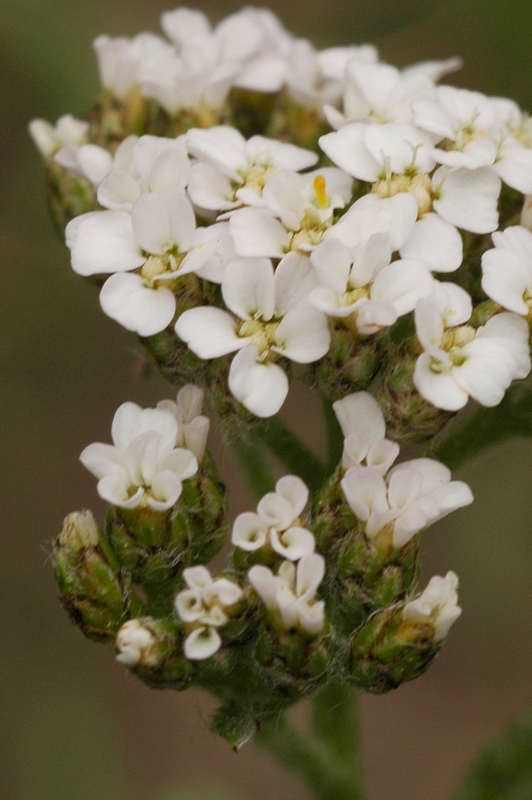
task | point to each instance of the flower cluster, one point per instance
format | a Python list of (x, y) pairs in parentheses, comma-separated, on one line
[(301, 256), (246, 200)]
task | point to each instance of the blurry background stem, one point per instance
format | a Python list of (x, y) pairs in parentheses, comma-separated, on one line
[(327, 757)]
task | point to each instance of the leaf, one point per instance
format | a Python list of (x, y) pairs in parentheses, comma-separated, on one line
[(503, 770)]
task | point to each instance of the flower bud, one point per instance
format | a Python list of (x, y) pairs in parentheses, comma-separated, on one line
[(152, 648), (79, 532), (92, 588)]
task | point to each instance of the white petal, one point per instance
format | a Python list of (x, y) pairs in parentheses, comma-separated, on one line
[(103, 459), (166, 488), (439, 388), (468, 198), (402, 284), (202, 643), (248, 288), (309, 575), (163, 221), (436, 243), (249, 531), (103, 242), (126, 298), (294, 279), (360, 412), (303, 335), (115, 490), (293, 543), (347, 149), (118, 190), (256, 233), (209, 332), (292, 489), (261, 388), (363, 489), (181, 461)]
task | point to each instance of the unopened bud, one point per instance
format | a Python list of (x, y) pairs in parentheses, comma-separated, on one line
[(79, 532), (137, 644)]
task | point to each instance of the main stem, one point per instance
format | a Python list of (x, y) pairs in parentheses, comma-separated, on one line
[(327, 757)]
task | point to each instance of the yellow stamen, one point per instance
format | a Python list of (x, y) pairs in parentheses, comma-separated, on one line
[(321, 191)]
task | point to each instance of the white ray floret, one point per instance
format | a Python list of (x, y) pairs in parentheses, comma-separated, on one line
[(204, 606), (437, 605), (364, 429), (413, 496), (362, 287), (193, 427), (290, 595), (277, 523), (271, 319), (231, 171), (142, 467), (507, 270), (460, 361)]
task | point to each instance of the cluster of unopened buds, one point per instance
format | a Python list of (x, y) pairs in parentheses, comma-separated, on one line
[(256, 210)]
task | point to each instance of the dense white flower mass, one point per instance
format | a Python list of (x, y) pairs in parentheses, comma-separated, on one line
[(303, 251), (143, 466)]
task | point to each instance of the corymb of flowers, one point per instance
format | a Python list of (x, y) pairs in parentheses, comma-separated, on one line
[(259, 211)]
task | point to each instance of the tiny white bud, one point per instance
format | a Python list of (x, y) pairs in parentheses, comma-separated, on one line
[(80, 531)]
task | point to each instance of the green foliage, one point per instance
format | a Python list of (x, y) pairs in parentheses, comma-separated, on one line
[(489, 426), (503, 771)]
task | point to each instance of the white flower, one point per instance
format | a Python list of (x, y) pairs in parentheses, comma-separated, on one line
[(88, 160), (291, 594), (142, 467), (412, 497), (507, 270), (361, 286), (437, 605), (136, 644), (376, 152), (195, 77), (277, 522), (141, 166), (382, 93), (204, 606), (298, 210), (460, 361), (50, 138), (232, 171), (364, 429), (159, 237), (193, 428), (272, 320), (475, 135), (120, 60)]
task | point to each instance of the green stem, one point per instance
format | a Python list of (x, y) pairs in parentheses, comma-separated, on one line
[(489, 426), (328, 758), (291, 452), (258, 473), (335, 439)]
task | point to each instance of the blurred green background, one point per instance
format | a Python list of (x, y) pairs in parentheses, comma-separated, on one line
[(74, 725)]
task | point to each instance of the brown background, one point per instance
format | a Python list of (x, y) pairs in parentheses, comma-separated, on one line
[(74, 725)]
